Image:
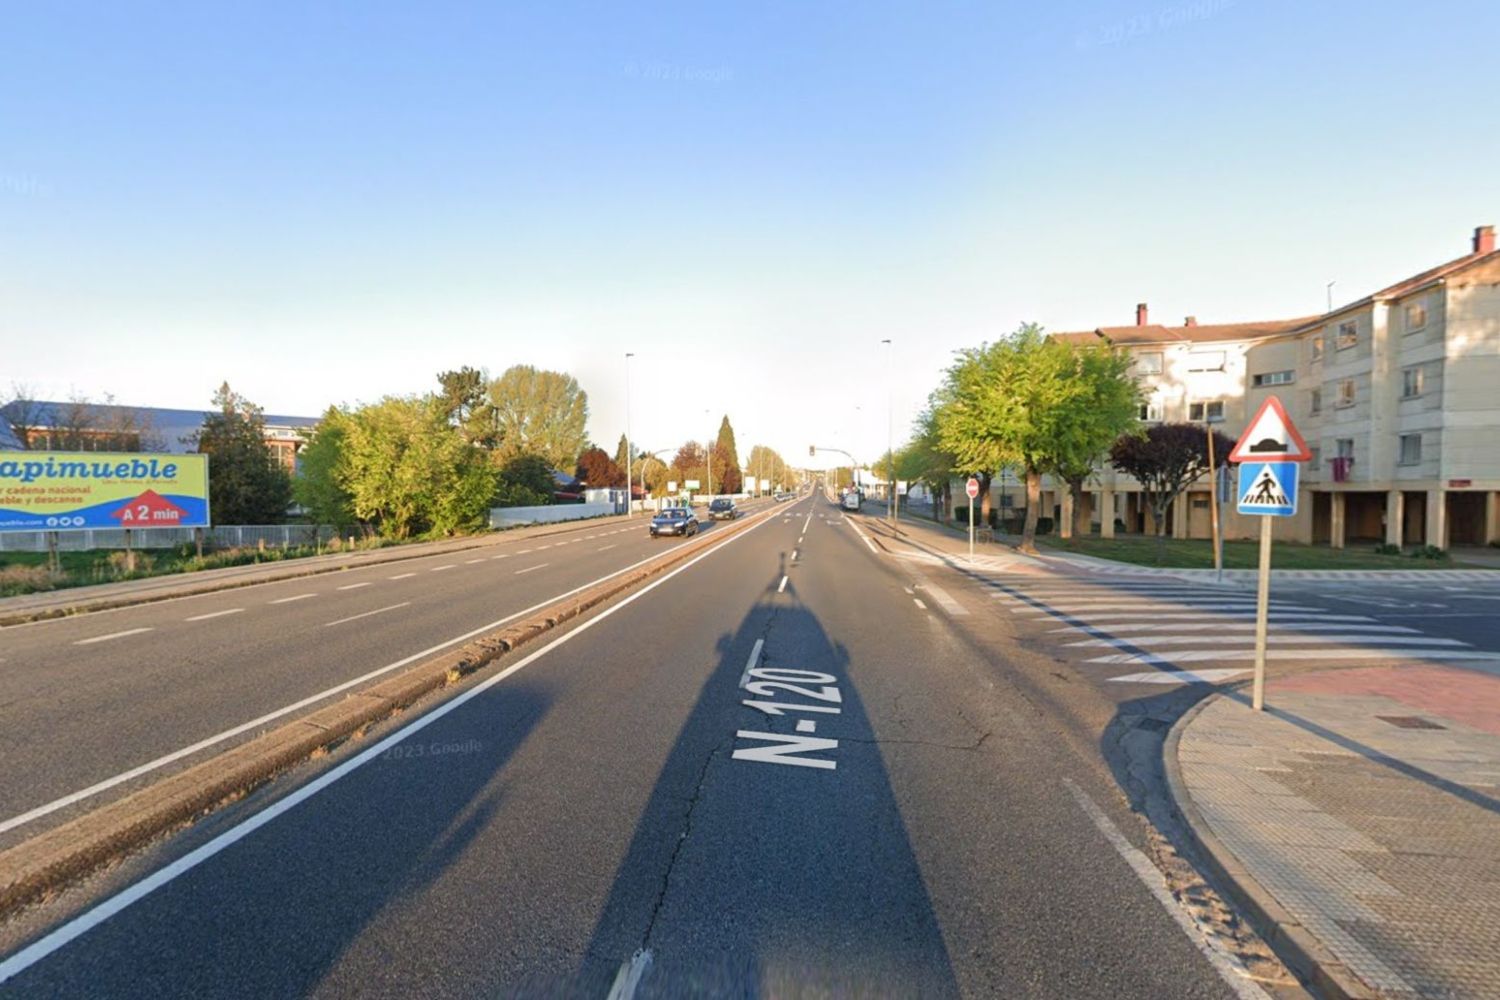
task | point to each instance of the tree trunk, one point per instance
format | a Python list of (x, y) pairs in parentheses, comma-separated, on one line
[(1033, 503), (1160, 512), (984, 500), (1081, 519)]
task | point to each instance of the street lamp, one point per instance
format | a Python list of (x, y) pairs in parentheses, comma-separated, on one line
[(629, 506), (710, 457), (890, 448)]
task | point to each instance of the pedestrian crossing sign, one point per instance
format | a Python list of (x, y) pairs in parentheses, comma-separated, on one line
[(1268, 488)]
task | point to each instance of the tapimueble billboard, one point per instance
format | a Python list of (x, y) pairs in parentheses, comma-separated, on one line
[(71, 491)]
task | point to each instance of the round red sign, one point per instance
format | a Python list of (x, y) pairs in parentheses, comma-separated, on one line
[(972, 488)]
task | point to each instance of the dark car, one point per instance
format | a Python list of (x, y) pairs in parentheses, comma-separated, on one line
[(674, 521), (723, 509)]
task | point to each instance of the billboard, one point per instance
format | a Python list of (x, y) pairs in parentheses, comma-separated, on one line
[(70, 491)]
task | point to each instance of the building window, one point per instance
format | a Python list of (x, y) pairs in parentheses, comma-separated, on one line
[(1416, 317), (1411, 449), (1348, 334), (1273, 378), (1315, 401), (1148, 364), (1345, 447), (1316, 461), (1211, 411), (1317, 347), (1206, 361), (1411, 382), (1150, 412), (1346, 392)]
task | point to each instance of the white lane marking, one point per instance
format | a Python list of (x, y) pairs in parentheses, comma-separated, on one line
[(1182, 676), (296, 597), (1232, 655), (112, 635), (1277, 618), (523, 552), (1310, 627), (213, 614), (908, 590), (945, 600), (806, 726), (801, 538), (866, 540), (750, 663), (354, 586), (439, 569), (549, 545), (606, 548), (794, 554), (367, 614), (470, 562), (1152, 608), (1229, 968), (503, 555), (91, 918), (1280, 638), (528, 569), (187, 751), (402, 576), (782, 585), (919, 603), (628, 979)]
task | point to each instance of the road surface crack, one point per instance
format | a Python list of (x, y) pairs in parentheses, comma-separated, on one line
[(923, 743), (682, 836)]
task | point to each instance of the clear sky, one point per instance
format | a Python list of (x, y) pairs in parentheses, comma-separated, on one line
[(331, 202)]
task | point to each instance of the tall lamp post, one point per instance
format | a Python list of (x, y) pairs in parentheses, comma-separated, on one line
[(890, 446), (629, 479), (707, 414)]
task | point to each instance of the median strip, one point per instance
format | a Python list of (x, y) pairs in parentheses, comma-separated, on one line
[(51, 860)]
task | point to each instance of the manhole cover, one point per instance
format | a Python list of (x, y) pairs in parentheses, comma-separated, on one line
[(1410, 722)]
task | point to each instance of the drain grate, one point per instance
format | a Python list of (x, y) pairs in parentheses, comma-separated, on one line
[(1409, 722)]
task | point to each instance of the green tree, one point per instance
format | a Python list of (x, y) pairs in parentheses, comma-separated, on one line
[(1102, 403), (622, 458), (410, 472), (246, 484), (727, 475), (765, 464), (319, 486), (925, 460), (539, 413), (525, 481), (465, 400)]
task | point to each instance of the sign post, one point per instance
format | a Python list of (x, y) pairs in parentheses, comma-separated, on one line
[(971, 488), (1269, 454)]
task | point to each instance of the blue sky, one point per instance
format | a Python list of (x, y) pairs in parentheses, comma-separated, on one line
[(331, 202)]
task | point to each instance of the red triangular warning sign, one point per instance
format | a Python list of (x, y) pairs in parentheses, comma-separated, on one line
[(1271, 437)]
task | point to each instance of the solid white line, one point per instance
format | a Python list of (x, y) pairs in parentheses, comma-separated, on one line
[(213, 614), (289, 600), (234, 731), (112, 635), (1229, 968), (628, 979), (354, 586), (782, 586), (439, 569), (84, 922), (528, 569), (402, 576), (861, 534), (750, 663), (367, 614)]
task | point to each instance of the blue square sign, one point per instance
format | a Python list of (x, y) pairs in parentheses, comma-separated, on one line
[(1268, 488)]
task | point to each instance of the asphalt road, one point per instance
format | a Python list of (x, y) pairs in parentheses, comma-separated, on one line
[(608, 812), (87, 700)]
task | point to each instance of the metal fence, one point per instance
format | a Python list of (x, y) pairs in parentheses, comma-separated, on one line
[(224, 536)]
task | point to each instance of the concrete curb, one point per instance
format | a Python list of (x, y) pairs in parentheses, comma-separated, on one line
[(51, 860), (1301, 952), (295, 569)]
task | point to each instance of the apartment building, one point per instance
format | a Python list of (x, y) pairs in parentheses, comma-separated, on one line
[(1398, 394)]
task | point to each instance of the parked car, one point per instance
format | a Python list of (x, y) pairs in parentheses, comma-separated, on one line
[(723, 509), (851, 500), (674, 521)]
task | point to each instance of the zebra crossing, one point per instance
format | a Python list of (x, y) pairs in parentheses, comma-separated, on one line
[(1173, 632)]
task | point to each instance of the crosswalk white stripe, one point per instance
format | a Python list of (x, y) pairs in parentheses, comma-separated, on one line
[(1231, 656), (1198, 617), (1244, 627), (1149, 642), (1151, 608), (1209, 676)]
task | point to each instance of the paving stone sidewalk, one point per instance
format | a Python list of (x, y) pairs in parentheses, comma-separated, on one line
[(1366, 803)]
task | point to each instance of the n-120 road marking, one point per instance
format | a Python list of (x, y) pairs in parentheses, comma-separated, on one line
[(781, 748)]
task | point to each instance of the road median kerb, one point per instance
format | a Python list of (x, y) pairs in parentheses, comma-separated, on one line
[(50, 861), (1297, 948)]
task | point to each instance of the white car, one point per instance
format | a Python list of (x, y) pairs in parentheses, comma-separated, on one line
[(851, 500)]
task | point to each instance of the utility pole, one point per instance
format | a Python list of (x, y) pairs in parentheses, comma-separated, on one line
[(890, 446), (712, 439), (629, 507)]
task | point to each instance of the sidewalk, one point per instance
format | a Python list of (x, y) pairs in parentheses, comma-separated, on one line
[(103, 596), (1360, 814)]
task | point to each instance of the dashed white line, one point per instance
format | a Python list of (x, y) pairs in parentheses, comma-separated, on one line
[(354, 586), (112, 635), (289, 600), (439, 569), (918, 602), (402, 576), (528, 569), (470, 562), (367, 614), (503, 555), (606, 548), (213, 614), (628, 979), (781, 586), (750, 663)]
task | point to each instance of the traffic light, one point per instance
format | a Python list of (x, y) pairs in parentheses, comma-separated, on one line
[(812, 451)]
